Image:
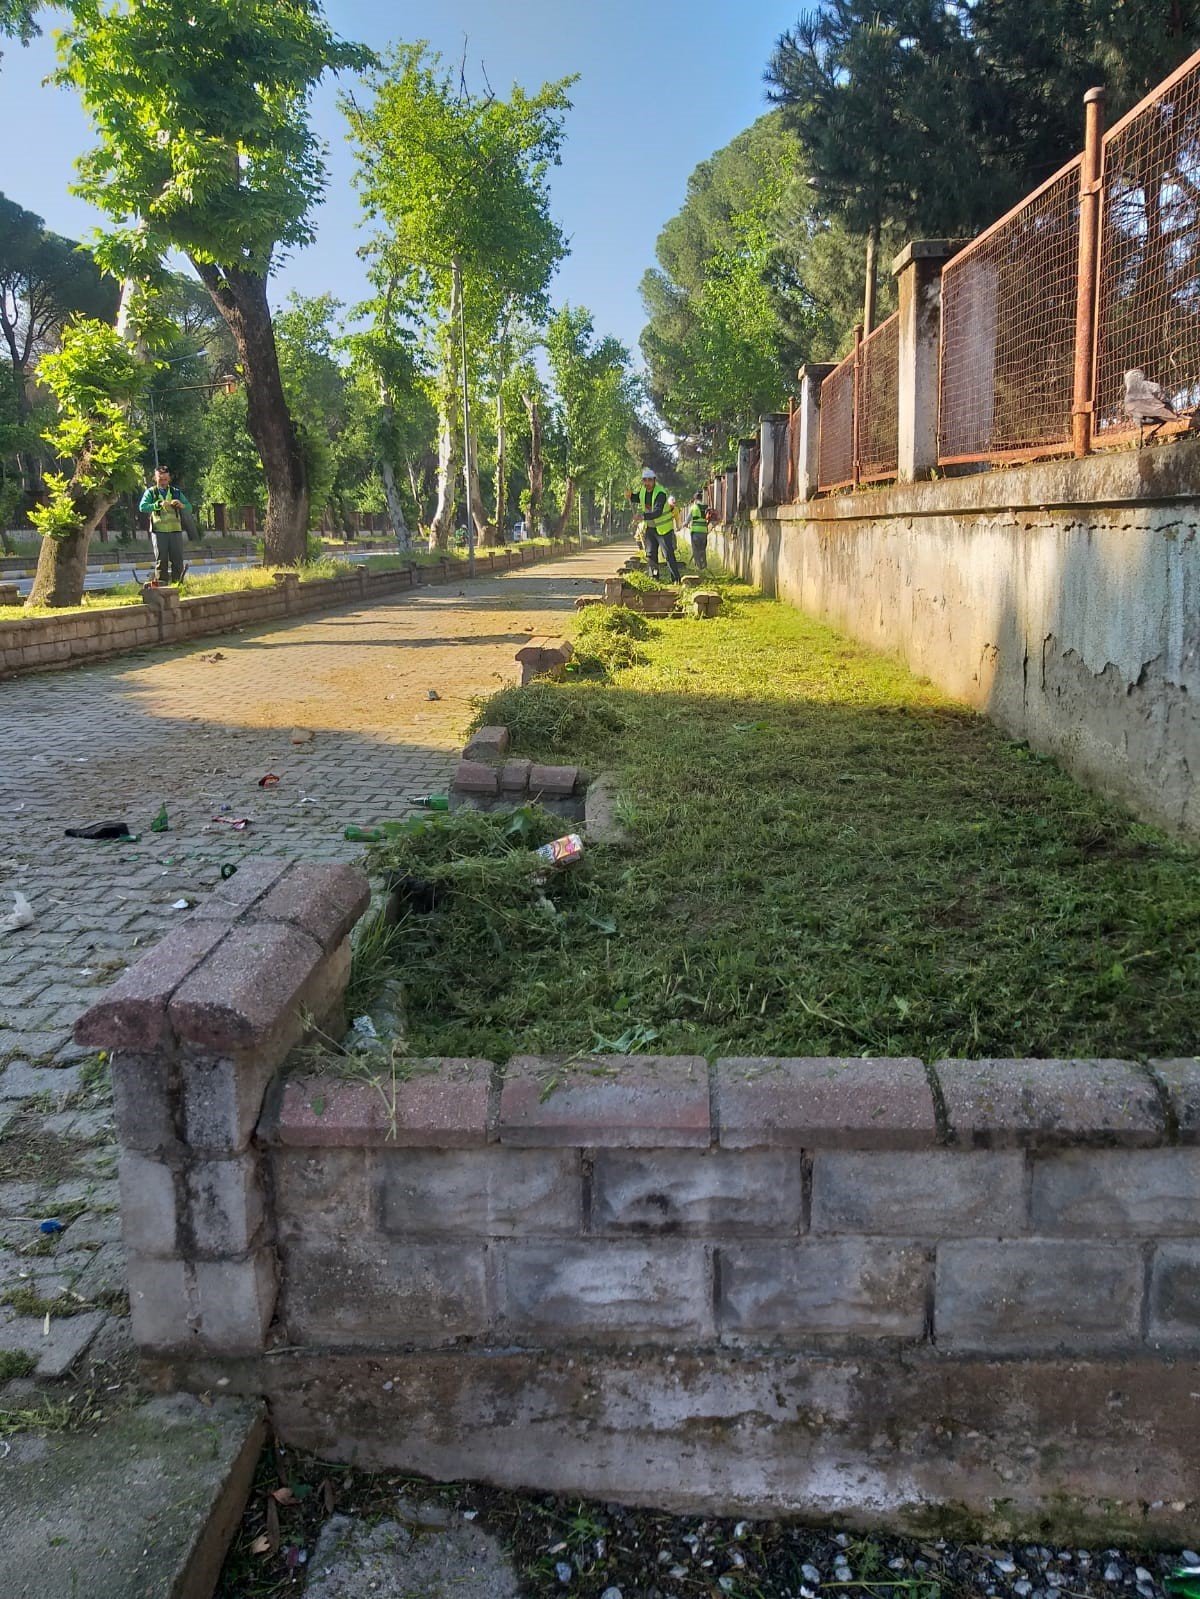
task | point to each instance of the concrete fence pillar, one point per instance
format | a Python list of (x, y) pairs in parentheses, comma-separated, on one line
[(918, 273), (808, 430), (772, 459), (730, 506), (197, 1030), (744, 479)]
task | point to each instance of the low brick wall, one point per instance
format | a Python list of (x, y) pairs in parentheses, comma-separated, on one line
[(958, 1295), (39, 643)]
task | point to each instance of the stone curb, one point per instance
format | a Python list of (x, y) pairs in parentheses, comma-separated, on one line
[(742, 1103)]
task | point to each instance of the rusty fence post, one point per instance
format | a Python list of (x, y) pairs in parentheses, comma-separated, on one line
[(856, 411), (1087, 284)]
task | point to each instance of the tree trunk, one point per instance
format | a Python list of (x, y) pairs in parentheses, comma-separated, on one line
[(568, 504), (501, 461), (449, 423), (536, 469), (62, 563), (485, 533), (493, 537), (449, 458), (589, 509), (871, 276), (414, 487), (395, 509), (241, 298)]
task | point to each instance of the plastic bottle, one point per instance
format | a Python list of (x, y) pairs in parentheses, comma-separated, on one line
[(430, 802), (363, 835)]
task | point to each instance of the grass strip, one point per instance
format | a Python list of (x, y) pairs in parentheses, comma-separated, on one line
[(828, 857)]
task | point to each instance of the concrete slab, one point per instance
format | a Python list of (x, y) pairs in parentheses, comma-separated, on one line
[(142, 1509), (415, 1555)]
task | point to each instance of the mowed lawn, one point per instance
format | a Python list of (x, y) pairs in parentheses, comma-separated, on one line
[(827, 857)]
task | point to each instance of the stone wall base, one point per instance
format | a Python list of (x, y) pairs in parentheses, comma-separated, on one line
[(1062, 1450)]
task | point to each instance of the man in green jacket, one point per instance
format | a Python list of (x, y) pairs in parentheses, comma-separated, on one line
[(657, 510), (165, 504)]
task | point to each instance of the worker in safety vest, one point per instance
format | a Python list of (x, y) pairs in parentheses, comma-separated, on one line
[(698, 516), (657, 510)]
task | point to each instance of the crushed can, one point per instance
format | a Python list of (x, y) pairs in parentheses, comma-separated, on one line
[(561, 852)]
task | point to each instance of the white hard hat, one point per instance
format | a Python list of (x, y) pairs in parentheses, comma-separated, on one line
[(648, 471)]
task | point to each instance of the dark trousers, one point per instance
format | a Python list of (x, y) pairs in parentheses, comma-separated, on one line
[(700, 550), (667, 540), (168, 551)]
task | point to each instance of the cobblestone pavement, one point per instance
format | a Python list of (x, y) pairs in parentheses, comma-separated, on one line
[(194, 729)]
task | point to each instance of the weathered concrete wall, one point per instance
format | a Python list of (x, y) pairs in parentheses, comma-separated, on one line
[(876, 1290), (1062, 598), (40, 643)]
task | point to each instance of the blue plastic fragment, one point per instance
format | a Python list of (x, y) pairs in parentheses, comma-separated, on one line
[(51, 1226)]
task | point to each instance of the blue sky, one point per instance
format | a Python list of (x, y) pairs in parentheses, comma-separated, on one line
[(663, 84)]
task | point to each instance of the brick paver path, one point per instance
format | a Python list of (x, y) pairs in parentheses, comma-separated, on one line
[(178, 728)]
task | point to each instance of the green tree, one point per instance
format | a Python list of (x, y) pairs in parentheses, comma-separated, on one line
[(594, 389), (389, 370), (95, 376), (1035, 63), (728, 322), (44, 280), (457, 183), (871, 87), (17, 20), (202, 117), (234, 474)]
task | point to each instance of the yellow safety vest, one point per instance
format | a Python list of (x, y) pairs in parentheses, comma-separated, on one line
[(165, 518), (658, 517), (699, 523)]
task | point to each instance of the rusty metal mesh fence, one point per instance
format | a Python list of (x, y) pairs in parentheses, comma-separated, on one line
[(835, 445), (1149, 299), (879, 402), (1008, 330)]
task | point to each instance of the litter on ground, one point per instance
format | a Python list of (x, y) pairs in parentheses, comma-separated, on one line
[(21, 915)]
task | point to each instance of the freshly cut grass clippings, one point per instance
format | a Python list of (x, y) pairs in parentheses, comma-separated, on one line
[(828, 856)]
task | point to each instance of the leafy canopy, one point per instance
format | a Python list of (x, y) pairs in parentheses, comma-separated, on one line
[(202, 117), (595, 395), (452, 174), (94, 376), (44, 279), (727, 325)]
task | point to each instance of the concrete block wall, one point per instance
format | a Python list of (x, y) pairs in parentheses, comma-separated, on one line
[(881, 1290), (197, 1029), (995, 1208)]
